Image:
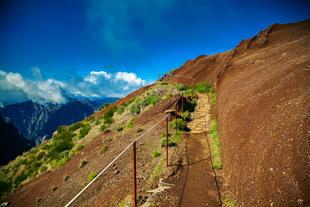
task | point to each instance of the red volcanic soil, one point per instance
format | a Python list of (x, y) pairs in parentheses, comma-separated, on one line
[(263, 107), (263, 114)]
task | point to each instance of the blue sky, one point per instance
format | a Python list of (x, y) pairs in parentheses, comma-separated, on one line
[(96, 48)]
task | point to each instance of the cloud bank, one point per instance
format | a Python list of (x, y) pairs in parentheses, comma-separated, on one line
[(15, 88)]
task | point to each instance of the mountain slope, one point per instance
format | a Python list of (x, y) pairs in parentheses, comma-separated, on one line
[(11, 142), (263, 106), (263, 118)]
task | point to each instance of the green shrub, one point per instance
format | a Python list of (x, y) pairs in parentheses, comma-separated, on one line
[(75, 126), (215, 145), (5, 187), (134, 108), (62, 161), (91, 118), (169, 95), (102, 128), (182, 87), (40, 155), (163, 83), (110, 112), (79, 147), (185, 115), (154, 99), (170, 142), (108, 120), (213, 99), (84, 130), (119, 128), (157, 169), (98, 122), (156, 153), (181, 124), (104, 106), (121, 109), (130, 124), (229, 202), (131, 100), (202, 87), (103, 149), (42, 168), (61, 129), (91, 176), (19, 179)]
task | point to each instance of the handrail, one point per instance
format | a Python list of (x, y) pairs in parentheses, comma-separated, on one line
[(120, 154)]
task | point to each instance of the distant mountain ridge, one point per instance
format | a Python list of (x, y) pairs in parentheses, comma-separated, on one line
[(38, 122), (12, 143)]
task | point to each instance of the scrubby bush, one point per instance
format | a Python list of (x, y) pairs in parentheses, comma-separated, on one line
[(181, 124), (104, 106), (134, 108), (84, 130), (79, 147), (156, 153), (108, 120), (40, 155), (107, 117), (182, 87), (154, 99), (119, 128), (163, 83), (91, 176), (42, 168), (98, 122), (131, 100), (202, 87), (91, 118), (103, 149), (61, 129), (167, 96), (130, 123), (170, 142), (75, 126), (121, 109), (185, 115), (102, 128), (163, 140)]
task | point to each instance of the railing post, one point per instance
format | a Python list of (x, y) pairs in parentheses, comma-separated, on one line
[(134, 174), (182, 103), (167, 142), (176, 114)]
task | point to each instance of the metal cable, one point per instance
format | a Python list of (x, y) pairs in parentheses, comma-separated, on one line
[(116, 158)]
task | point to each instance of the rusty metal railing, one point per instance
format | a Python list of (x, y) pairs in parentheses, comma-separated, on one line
[(133, 144)]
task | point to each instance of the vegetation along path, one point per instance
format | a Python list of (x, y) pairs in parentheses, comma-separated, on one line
[(200, 187)]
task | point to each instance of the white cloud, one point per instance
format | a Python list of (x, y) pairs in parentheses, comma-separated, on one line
[(95, 76), (130, 78), (101, 73), (14, 88)]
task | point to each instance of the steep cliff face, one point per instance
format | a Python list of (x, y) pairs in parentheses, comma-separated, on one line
[(263, 106), (12, 142), (38, 122)]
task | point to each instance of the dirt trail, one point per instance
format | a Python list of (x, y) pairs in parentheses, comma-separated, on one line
[(199, 183)]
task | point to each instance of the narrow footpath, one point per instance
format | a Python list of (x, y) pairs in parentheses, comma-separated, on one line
[(199, 182)]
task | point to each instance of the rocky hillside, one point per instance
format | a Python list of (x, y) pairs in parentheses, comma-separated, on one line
[(260, 110), (38, 122), (12, 143), (263, 110)]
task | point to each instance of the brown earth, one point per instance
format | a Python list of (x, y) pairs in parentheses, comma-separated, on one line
[(263, 111)]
